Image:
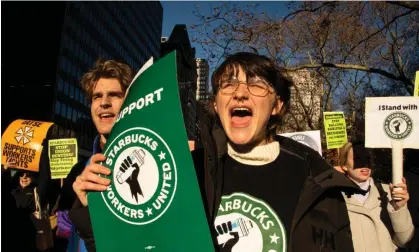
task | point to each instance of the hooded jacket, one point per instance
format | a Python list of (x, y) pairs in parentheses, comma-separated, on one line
[(320, 222)]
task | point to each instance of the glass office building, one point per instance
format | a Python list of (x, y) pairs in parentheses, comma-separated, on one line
[(127, 31)]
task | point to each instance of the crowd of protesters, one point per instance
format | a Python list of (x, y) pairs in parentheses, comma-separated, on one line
[(248, 117)]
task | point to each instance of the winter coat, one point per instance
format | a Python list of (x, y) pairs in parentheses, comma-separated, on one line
[(375, 225)]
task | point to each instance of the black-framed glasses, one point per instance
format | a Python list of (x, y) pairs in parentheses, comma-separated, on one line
[(255, 86)]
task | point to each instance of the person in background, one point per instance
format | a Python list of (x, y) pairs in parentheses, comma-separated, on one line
[(380, 219), (17, 206)]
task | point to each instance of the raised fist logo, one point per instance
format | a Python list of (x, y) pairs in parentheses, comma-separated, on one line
[(227, 229), (129, 170)]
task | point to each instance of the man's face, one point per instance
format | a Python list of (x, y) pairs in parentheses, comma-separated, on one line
[(107, 99)]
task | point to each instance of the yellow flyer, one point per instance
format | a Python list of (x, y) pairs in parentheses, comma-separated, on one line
[(22, 143), (335, 129), (62, 156)]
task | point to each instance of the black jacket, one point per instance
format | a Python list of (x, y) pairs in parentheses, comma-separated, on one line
[(321, 221)]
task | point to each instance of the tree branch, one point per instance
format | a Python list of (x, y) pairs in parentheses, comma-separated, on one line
[(307, 10), (406, 4), (378, 31), (406, 81)]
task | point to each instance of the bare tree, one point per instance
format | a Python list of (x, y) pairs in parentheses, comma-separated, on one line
[(353, 48)]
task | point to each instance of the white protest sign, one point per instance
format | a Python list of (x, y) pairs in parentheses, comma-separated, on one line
[(310, 138), (392, 118), (392, 122)]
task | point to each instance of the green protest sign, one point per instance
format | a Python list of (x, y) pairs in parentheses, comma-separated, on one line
[(153, 202), (62, 156), (335, 129)]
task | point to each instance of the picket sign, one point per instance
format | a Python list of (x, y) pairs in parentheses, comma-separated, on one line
[(392, 122)]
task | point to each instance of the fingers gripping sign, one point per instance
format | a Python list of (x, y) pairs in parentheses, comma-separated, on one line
[(400, 195), (129, 170), (90, 179)]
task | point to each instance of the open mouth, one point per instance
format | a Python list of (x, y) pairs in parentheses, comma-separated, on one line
[(241, 116), (105, 116), (365, 171)]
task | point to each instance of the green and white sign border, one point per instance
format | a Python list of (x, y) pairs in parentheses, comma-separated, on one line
[(175, 176)]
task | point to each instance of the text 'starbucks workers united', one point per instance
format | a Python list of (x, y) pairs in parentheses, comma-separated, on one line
[(245, 223), (153, 202), (141, 199)]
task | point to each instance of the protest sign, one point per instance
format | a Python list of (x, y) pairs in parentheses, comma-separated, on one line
[(22, 143), (62, 156), (153, 202), (392, 122), (416, 90), (310, 138), (335, 129), (391, 118)]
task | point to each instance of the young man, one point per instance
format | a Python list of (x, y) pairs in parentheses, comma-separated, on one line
[(105, 86)]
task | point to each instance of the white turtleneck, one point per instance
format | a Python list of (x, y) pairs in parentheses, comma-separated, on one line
[(260, 155)]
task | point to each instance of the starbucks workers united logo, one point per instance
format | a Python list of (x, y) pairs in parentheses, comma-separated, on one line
[(398, 125), (245, 223), (144, 176)]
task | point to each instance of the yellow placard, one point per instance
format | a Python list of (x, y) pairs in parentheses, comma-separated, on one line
[(416, 90), (62, 156), (335, 129), (22, 143)]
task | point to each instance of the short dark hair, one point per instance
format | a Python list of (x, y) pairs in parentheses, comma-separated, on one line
[(106, 69), (256, 65)]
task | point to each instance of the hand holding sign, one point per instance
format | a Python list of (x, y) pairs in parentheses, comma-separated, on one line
[(90, 180), (399, 194)]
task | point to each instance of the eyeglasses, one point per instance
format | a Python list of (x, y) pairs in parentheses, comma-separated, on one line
[(255, 86), (25, 174)]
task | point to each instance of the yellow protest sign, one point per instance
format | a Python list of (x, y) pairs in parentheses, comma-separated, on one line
[(416, 91), (22, 143), (335, 129), (62, 156)]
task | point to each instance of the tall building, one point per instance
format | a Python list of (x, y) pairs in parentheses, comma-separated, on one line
[(46, 52), (306, 98), (186, 72), (202, 80)]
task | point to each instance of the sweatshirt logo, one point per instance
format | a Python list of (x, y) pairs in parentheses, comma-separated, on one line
[(245, 223), (144, 176)]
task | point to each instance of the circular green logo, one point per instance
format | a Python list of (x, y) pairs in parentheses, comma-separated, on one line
[(144, 177), (398, 125), (245, 223)]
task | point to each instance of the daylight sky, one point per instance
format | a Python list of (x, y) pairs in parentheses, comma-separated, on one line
[(180, 12)]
